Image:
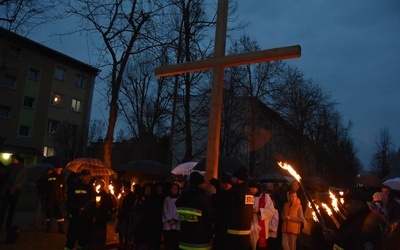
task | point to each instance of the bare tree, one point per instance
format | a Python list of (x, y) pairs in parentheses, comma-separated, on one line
[(145, 101), (23, 16), (119, 24), (384, 155)]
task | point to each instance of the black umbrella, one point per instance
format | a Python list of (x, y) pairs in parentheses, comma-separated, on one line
[(315, 183), (144, 169), (55, 161), (273, 178), (226, 164)]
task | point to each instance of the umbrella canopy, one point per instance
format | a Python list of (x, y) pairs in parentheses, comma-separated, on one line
[(95, 166), (55, 161), (145, 169), (274, 178), (184, 168), (368, 180), (41, 165), (226, 164), (393, 183), (315, 182)]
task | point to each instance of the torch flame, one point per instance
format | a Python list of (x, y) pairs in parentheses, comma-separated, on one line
[(327, 209), (334, 201), (111, 188), (290, 170), (314, 215)]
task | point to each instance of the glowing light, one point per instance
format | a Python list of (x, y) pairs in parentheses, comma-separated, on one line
[(327, 209), (334, 201), (119, 196), (98, 198), (290, 170), (111, 188), (6, 156), (98, 189)]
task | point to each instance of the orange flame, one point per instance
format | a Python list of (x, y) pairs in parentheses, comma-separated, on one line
[(327, 209), (111, 188), (290, 170), (334, 201)]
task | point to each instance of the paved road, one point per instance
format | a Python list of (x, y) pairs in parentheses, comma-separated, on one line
[(34, 237)]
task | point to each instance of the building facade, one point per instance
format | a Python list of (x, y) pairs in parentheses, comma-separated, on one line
[(42, 93)]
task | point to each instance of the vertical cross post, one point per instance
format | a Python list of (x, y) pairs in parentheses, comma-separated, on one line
[(214, 125)]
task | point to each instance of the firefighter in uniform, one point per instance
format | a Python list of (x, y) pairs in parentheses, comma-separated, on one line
[(196, 215), (238, 213), (54, 196), (80, 194)]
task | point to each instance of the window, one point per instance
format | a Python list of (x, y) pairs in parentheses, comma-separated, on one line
[(76, 105), (60, 73), (56, 99), (52, 126), (29, 102), (5, 112), (24, 131), (33, 74), (80, 81), (15, 53), (10, 82), (48, 151)]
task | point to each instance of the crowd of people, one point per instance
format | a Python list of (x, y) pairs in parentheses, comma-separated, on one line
[(229, 213)]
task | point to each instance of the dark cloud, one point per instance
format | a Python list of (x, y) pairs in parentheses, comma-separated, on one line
[(351, 48)]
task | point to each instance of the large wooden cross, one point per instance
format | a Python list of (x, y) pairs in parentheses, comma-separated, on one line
[(218, 64)]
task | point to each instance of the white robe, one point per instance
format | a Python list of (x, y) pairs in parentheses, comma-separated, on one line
[(264, 215)]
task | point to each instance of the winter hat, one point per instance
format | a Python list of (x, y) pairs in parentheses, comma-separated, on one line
[(241, 174), (226, 178), (379, 196), (85, 172), (253, 184), (196, 179), (16, 156)]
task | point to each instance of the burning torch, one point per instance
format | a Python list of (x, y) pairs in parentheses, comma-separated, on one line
[(310, 200)]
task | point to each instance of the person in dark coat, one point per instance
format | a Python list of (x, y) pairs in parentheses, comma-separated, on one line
[(363, 228), (219, 201), (196, 215), (101, 214), (150, 228), (15, 179), (55, 193), (80, 194), (238, 213), (126, 208)]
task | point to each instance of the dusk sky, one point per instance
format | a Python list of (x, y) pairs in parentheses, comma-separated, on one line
[(350, 48)]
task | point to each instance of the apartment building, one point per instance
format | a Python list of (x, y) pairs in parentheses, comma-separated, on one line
[(40, 91)]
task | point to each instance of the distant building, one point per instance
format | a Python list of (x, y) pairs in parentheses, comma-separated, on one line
[(257, 136), (41, 91)]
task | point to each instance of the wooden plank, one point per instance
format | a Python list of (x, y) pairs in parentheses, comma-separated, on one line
[(231, 60)]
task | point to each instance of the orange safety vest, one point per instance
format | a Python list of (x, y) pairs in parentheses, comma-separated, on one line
[(292, 211)]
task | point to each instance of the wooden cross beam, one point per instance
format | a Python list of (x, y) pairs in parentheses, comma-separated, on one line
[(218, 64)]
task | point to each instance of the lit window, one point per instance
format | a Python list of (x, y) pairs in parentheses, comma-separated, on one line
[(33, 74), (10, 82), (60, 73), (56, 99), (52, 126), (76, 105), (80, 81), (5, 112), (24, 131), (29, 102), (15, 53), (48, 151)]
